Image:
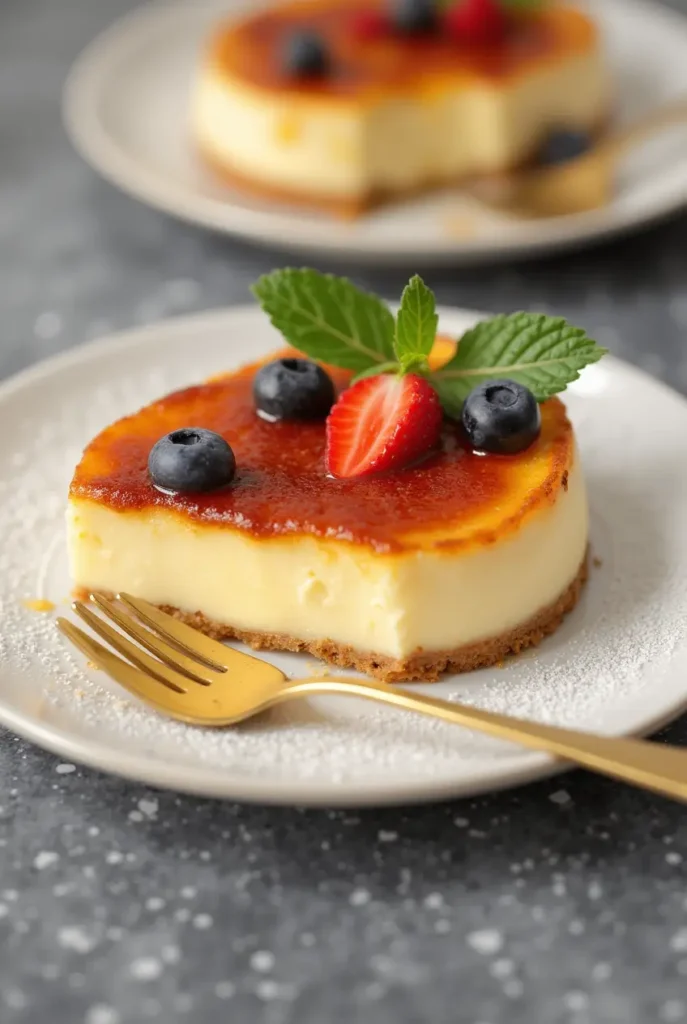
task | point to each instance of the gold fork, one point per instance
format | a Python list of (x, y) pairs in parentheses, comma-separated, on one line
[(183, 674)]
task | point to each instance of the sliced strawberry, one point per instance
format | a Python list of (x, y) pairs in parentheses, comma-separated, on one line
[(476, 21), (381, 423), (371, 24)]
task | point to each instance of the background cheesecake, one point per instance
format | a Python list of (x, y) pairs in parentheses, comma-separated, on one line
[(345, 103)]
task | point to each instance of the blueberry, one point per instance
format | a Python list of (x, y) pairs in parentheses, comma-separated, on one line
[(564, 144), (415, 16), (191, 459), (305, 55), (501, 416), (293, 389)]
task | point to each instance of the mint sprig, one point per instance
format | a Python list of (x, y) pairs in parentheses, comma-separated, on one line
[(329, 319), (544, 353)]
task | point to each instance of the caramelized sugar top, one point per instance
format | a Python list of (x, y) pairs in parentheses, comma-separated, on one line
[(253, 49), (282, 488)]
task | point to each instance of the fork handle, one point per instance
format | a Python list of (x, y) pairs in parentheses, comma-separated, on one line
[(653, 766)]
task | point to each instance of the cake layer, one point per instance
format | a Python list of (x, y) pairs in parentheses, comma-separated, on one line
[(392, 605), (397, 115)]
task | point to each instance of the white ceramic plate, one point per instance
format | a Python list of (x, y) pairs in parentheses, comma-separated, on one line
[(618, 664), (126, 108)]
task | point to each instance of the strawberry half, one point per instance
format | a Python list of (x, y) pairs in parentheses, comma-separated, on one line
[(476, 21), (382, 423)]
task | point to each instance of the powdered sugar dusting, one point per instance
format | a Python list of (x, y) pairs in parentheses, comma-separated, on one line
[(595, 672)]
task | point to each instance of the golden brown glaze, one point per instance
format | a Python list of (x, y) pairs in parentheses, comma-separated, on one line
[(251, 50), (281, 486)]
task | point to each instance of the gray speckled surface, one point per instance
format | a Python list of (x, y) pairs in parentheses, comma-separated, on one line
[(564, 902)]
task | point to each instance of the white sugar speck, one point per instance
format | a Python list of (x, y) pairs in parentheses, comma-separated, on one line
[(262, 961), (486, 941), (135, 816), (461, 822), (154, 903), (269, 990), (4, 910), (202, 922), (65, 769), (114, 857), (146, 968), (673, 857), (434, 901), (442, 926), (678, 943), (673, 1010), (387, 836), (359, 897), (102, 1014), (188, 892), (561, 796), (15, 999), (148, 808), (47, 325), (171, 954), (76, 939), (595, 892), (576, 1001), (225, 989), (601, 972), (502, 968), (45, 859)]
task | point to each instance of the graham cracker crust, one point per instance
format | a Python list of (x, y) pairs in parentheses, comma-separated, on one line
[(421, 666)]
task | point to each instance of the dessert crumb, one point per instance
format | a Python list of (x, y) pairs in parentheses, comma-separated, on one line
[(316, 668), (596, 562), (38, 604)]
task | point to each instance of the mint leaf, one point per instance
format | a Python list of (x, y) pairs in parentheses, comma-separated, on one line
[(328, 318), (416, 324), (542, 352)]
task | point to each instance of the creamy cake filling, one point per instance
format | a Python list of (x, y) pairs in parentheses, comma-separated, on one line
[(347, 150), (309, 588)]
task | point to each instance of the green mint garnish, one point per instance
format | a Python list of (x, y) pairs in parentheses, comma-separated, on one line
[(544, 353), (416, 326), (331, 320), (328, 318)]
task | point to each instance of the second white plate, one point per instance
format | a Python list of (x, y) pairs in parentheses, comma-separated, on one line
[(126, 109), (617, 665)]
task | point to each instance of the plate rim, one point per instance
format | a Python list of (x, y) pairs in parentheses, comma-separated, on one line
[(100, 150), (208, 781)]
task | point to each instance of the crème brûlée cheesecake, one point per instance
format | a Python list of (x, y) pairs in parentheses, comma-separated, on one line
[(344, 104), (387, 537)]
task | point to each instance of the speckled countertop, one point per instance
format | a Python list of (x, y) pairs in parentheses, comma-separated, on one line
[(563, 902)]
